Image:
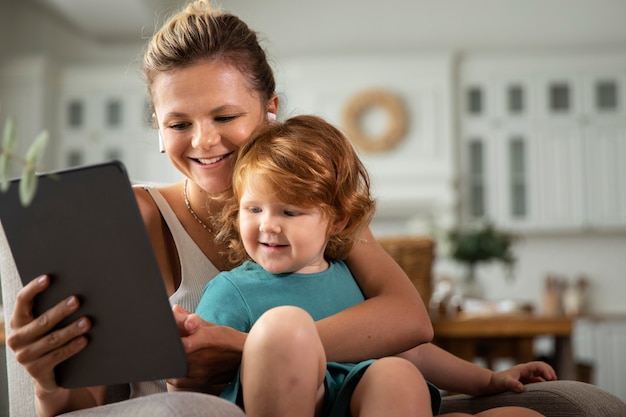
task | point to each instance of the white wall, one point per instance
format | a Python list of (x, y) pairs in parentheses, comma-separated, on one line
[(599, 257), (298, 29), (329, 26)]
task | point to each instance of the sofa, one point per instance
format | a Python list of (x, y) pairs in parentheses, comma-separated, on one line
[(553, 399)]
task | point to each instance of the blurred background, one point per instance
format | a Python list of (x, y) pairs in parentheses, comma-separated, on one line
[(513, 112)]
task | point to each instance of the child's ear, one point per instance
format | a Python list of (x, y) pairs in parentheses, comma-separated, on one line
[(339, 224)]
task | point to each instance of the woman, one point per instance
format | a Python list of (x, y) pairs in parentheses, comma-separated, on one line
[(211, 87)]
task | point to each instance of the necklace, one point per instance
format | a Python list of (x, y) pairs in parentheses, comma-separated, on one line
[(193, 213)]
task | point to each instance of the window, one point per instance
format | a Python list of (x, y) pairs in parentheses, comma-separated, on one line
[(515, 99), (517, 175), (474, 101), (113, 154), (559, 98), (75, 116), (606, 95), (114, 113), (74, 157), (476, 178)]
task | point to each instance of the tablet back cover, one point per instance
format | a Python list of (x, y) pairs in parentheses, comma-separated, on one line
[(84, 229)]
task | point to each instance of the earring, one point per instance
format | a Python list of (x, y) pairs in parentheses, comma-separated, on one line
[(271, 116), (161, 144)]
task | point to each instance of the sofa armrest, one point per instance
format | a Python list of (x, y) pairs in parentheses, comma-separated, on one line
[(172, 404), (552, 399)]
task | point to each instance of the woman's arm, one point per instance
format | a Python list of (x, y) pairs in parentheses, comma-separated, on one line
[(391, 319), (164, 249), (39, 349)]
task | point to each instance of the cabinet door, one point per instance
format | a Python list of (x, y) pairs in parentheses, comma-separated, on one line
[(83, 120), (605, 179), (514, 206), (552, 141), (559, 98), (477, 175), (558, 165), (611, 373), (498, 152), (23, 92)]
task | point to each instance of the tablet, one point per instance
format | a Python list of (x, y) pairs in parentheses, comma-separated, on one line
[(84, 229)]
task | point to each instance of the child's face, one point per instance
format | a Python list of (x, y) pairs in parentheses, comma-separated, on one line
[(281, 237)]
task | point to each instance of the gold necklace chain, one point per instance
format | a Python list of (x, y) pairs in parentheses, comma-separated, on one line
[(193, 213)]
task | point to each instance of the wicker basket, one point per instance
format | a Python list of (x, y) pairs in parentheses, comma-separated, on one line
[(415, 254)]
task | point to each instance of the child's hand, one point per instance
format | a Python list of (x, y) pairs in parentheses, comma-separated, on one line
[(513, 379)]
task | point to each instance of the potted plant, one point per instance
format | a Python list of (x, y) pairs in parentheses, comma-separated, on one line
[(482, 244)]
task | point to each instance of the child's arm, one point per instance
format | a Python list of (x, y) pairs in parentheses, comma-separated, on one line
[(454, 374)]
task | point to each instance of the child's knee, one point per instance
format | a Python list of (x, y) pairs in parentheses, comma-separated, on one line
[(398, 366), (284, 328)]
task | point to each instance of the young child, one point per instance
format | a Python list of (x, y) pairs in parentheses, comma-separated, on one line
[(301, 198)]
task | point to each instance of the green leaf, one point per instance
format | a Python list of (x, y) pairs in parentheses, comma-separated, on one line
[(4, 171), (8, 142), (28, 185), (36, 150)]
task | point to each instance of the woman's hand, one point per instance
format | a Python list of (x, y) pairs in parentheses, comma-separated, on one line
[(36, 346), (39, 348), (213, 352), (514, 378)]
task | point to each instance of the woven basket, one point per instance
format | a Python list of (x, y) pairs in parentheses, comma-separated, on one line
[(415, 254)]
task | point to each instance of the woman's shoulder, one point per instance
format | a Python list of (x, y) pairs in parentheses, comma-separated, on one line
[(147, 206)]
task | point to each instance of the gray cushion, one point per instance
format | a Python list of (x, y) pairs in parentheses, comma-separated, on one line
[(556, 398)]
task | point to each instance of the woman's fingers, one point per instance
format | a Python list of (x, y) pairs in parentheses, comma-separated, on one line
[(56, 346), (38, 345), (25, 332), (23, 310), (41, 366)]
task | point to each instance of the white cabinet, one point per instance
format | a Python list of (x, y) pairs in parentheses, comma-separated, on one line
[(104, 115), (543, 140), (28, 87), (600, 341)]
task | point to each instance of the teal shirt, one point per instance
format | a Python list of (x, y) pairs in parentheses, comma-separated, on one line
[(239, 297)]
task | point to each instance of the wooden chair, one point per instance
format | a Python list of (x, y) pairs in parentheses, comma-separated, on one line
[(415, 255)]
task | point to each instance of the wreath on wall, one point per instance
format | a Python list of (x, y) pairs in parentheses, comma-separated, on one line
[(360, 104)]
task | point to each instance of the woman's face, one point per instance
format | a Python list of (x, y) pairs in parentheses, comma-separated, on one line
[(204, 113)]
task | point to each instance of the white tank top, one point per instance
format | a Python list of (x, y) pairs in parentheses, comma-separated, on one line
[(196, 271)]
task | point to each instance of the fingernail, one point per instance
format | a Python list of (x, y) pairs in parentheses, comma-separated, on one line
[(71, 302), (42, 280), (82, 323)]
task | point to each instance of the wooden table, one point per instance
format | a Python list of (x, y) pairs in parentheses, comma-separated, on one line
[(506, 336)]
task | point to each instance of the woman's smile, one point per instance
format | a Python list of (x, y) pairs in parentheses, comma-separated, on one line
[(213, 160)]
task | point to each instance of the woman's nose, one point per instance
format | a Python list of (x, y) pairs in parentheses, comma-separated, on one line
[(204, 137)]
